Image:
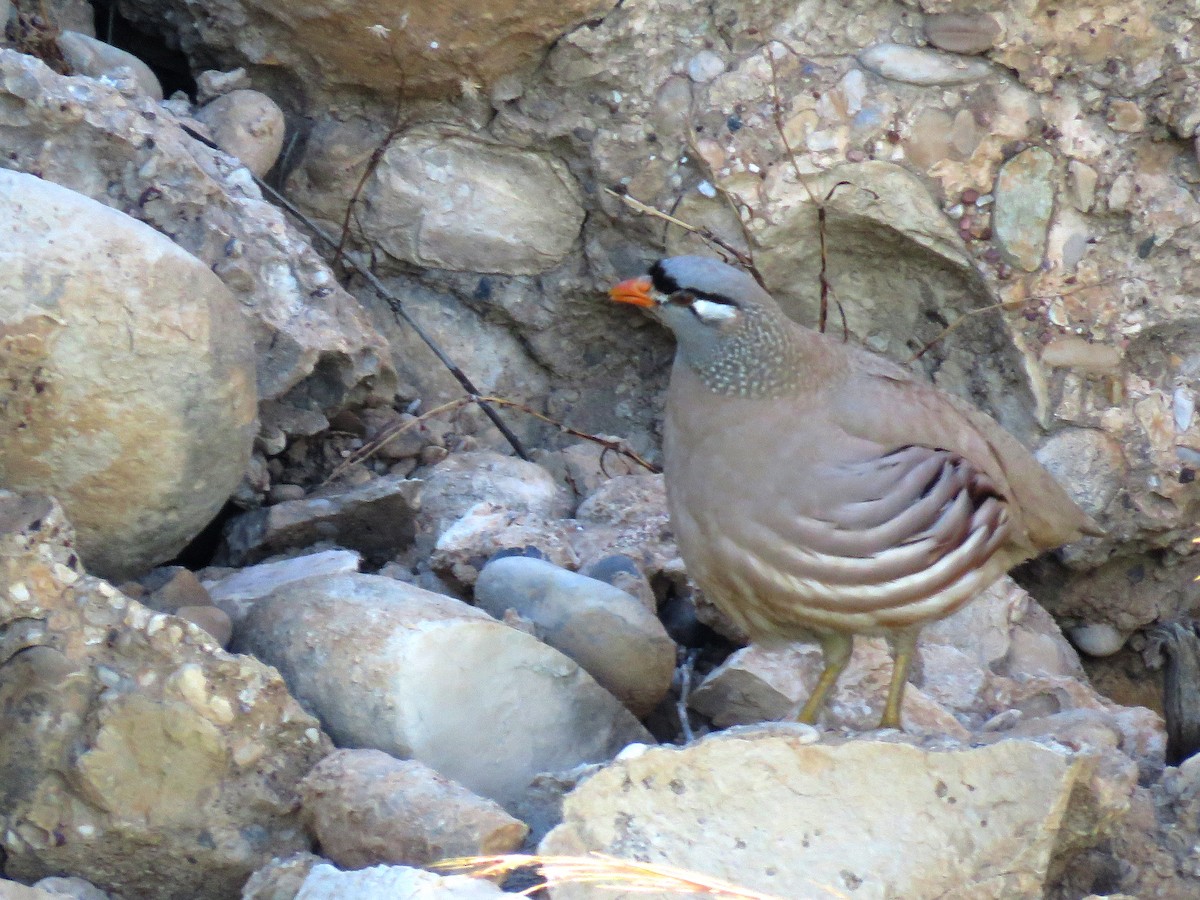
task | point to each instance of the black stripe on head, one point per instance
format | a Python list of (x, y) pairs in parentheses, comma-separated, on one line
[(663, 283)]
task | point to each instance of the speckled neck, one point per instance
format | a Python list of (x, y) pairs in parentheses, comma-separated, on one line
[(759, 360)]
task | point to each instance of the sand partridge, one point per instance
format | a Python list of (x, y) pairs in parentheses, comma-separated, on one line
[(819, 490)]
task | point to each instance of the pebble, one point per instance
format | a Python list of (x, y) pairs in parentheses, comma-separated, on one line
[(705, 66), (962, 32), (1024, 204), (365, 808), (608, 632), (921, 66), (1072, 352), (1097, 639)]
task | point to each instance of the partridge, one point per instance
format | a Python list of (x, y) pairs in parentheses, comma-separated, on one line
[(817, 489)]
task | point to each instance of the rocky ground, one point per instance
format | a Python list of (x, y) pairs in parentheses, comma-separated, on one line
[(285, 615)]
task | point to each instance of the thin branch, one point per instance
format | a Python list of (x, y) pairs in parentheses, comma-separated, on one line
[(390, 298), (389, 434)]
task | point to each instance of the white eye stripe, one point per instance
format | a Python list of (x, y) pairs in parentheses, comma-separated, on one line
[(713, 312)]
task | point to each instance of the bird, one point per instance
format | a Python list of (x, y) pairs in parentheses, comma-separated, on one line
[(819, 490)]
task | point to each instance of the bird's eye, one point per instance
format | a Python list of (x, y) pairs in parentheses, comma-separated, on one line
[(712, 312)]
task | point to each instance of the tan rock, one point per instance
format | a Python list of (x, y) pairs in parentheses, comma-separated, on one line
[(991, 819), (129, 385), (366, 808), (246, 124), (88, 56), (156, 764)]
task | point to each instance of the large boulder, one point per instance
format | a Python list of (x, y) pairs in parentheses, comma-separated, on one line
[(134, 752), (126, 375)]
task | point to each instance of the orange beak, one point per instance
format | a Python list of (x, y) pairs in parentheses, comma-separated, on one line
[(635, 291)]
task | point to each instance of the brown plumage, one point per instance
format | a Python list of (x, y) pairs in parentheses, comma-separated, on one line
[(817, 489)]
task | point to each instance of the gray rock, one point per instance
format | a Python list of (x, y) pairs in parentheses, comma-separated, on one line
[(921, 66), (366, 808), (608, 632), (1024, 204), (992, 819), (464, 479), (248, 125), (377, 519), (422, 676), (1088, 463), (455, 202), (962, 32), (151, 751), (128, 375), (73, 888), (313, 338), (94, 58), (487, 530), (325, 882), (236, 592)]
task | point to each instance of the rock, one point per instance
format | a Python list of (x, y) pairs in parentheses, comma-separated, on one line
[(325, 882), (585, 466), (962, 32), (366, 808), (74, 888), (155, 764), (213, 620), (14, 890), (1097, 639), (96, 59), (455, 202), (460, 481), (172, 587), (1073, 352), (415, 674), (918, 65), (487, 530), (608, 632), (248, 125), (705, 66), (236, 592), (281, 878), (627, 517), (211, 83), (313, 338), (436, 51), (1089, 463), (129, 388), (376, 519), (1024, 203), (991, 819)]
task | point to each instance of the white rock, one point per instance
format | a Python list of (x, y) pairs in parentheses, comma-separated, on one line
[(456, 202), (128, 376), (868, 819), (1097, 639), (248, 125), (622, 644), (325, 882), (419, 675), (919, 65), (236, 593), (705, 66), (88, 56)]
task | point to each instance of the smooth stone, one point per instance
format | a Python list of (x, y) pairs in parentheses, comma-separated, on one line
[(88, 56), (1073, 352), (611, 634), (1024, 204), (235, 593), (962, 32), (325, 882), (248, 125), (1097, 639), (367, 808), (921, 66), (423, 676)]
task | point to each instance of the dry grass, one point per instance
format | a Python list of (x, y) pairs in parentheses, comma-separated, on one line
[(610, 873)]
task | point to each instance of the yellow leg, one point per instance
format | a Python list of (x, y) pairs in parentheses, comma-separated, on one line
[(904, 644), (836, 649)]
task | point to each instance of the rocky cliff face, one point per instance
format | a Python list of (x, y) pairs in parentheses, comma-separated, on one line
[(1004, 196)]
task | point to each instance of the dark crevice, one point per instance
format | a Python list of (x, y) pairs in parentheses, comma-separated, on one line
[(169, 64)]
